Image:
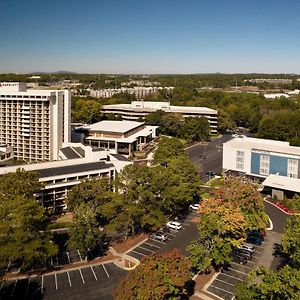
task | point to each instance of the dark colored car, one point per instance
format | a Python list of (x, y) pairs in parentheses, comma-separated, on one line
[(240, 259), (243, 252), (254, 240), (256, 234)]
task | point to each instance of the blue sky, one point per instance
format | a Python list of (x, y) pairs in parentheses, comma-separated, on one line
[(153, 36)]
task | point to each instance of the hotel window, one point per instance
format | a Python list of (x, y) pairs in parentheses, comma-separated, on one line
[(264, 168), (240, 160), (292, 168)]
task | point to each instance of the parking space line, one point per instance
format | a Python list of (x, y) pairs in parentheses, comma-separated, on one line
[(28, 284), (55, 278), (171, 234), (105, 271), (237, 271), (94, 273), (221, 289), (68, 255), (225, 282), (255, 256), (1, 284), (42, 287), (185, 224), (81, 276), (241, 265), (157, 241), (13, 291), (152, 245), (7, 267), (146, 249), (70, 283), (138, 252), (79, 255), (232, 276)]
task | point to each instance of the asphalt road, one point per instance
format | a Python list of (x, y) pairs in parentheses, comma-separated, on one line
[(277, 217), (213, 152)]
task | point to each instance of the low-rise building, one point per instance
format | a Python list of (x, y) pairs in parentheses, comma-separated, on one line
[(6, 154), (139, 109), (264, 160), (120, 137), (78, 162)]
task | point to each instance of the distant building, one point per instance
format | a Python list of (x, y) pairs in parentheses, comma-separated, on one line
[(276, 95), (139, 92), (35, 123), (270, 80), (121, 137), (274, 163), (139, 109)]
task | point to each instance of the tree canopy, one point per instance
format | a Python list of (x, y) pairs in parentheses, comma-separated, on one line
[(157, 277), (233, 210), (24, 238)]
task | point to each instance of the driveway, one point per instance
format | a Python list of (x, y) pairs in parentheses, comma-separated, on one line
[(213, 153)]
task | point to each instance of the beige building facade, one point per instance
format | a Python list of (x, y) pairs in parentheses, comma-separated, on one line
[(35, 123)]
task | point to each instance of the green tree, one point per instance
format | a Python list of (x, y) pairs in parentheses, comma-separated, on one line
[(196, 129), (290, 244), (85, 232), (168, 148), (96, 191), (157, 277), (263, 283), (24, 238), (87, 111)]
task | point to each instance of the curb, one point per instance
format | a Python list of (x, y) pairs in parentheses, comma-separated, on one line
[(289, 214), (209, 283)]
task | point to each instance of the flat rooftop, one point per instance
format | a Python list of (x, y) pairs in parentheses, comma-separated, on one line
[(151, 106), (283, 183), (263, 144), (113, 126)]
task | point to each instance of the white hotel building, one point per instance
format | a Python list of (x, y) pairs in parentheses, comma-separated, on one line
[(35, 123), (139, 109), (274, 163)]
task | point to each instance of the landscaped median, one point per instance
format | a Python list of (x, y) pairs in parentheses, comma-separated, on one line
[(287, 206)]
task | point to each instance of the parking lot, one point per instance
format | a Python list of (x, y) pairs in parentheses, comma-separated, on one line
[(92, 282), (176, 239), (224, 284)]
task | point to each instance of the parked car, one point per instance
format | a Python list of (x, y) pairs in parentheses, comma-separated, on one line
[(194, 206), (254, 240), (243, 252), (240, 259), (202, 156), (174, 225), (256, 234), (159, 236), (247, 246)]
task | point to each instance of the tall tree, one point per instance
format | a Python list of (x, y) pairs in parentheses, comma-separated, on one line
[(168, 148), (24, 238), (85, 232), (290, 244)]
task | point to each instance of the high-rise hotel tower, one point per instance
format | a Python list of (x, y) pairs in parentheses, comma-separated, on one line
[(35, 123)]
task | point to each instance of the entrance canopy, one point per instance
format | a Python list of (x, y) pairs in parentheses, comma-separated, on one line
[(283, 183)]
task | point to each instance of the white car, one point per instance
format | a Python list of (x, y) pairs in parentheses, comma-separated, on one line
[(195, 206), (174, 225)]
